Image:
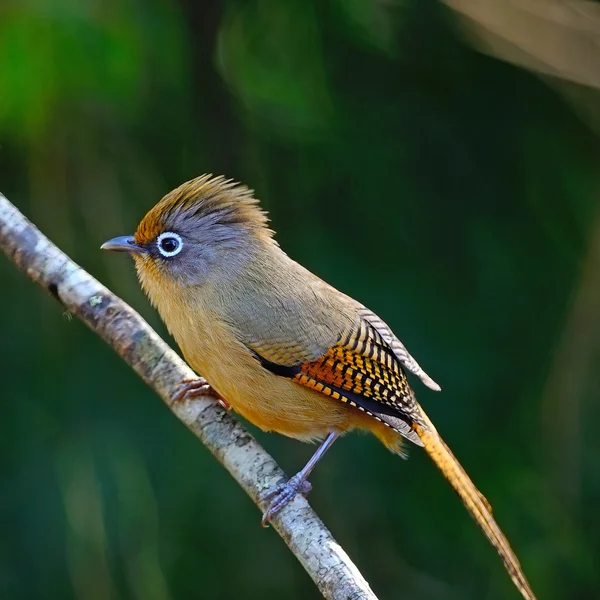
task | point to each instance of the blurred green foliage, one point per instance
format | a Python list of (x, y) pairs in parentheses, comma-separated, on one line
[(455, 195)]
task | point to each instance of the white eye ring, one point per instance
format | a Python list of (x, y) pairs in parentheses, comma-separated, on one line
[(172, 235)]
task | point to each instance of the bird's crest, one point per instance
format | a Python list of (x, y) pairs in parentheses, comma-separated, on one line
[(227, 201)]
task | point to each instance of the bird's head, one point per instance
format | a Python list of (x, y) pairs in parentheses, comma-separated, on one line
[(207, 227)]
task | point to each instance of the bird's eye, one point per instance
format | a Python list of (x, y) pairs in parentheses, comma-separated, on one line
[(169, 243)]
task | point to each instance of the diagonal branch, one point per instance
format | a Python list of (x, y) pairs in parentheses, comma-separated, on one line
[(159, 366)]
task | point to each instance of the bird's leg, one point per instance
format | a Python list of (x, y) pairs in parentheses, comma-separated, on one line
[(193, 388), (285, 492)]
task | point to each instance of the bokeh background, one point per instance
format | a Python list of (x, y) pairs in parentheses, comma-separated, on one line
[(454, 193)]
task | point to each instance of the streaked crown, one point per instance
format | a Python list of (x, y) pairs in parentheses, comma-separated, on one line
[(215, 199)]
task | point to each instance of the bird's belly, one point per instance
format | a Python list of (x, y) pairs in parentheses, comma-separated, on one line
[(299, 413), (269, 401)]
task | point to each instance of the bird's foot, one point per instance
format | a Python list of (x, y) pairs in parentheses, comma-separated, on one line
[(194, 388), (283, 494)]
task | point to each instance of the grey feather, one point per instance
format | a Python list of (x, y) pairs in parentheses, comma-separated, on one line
[(398, 348)]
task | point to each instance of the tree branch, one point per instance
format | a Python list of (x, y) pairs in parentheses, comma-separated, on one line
[(159, 366)]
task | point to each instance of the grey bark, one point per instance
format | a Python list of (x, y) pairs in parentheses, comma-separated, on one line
[(161, 368)]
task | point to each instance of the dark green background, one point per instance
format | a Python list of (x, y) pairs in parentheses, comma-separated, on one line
[(455, 195)]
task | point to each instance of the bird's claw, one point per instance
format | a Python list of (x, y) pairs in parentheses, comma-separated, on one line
[(283, 494), (194, 388)]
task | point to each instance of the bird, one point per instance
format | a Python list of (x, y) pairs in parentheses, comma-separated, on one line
[(280, 346)]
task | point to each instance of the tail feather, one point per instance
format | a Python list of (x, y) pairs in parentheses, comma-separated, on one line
[(475, 502)]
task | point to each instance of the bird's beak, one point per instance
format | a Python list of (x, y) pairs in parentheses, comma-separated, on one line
[(123, 243)]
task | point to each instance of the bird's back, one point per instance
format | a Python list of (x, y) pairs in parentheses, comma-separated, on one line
[(287, 312)]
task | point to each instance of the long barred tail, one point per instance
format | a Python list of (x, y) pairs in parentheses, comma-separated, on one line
[(477, 505)]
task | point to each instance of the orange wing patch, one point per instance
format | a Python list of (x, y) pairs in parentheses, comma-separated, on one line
[(361, 370), (342, 370)]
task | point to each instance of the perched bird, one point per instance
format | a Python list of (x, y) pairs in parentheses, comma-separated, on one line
[(282, 347)]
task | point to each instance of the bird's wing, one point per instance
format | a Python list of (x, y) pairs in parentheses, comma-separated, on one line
[(398, 348), (362, 369)]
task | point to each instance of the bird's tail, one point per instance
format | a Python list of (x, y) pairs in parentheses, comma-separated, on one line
[(475, 502)]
